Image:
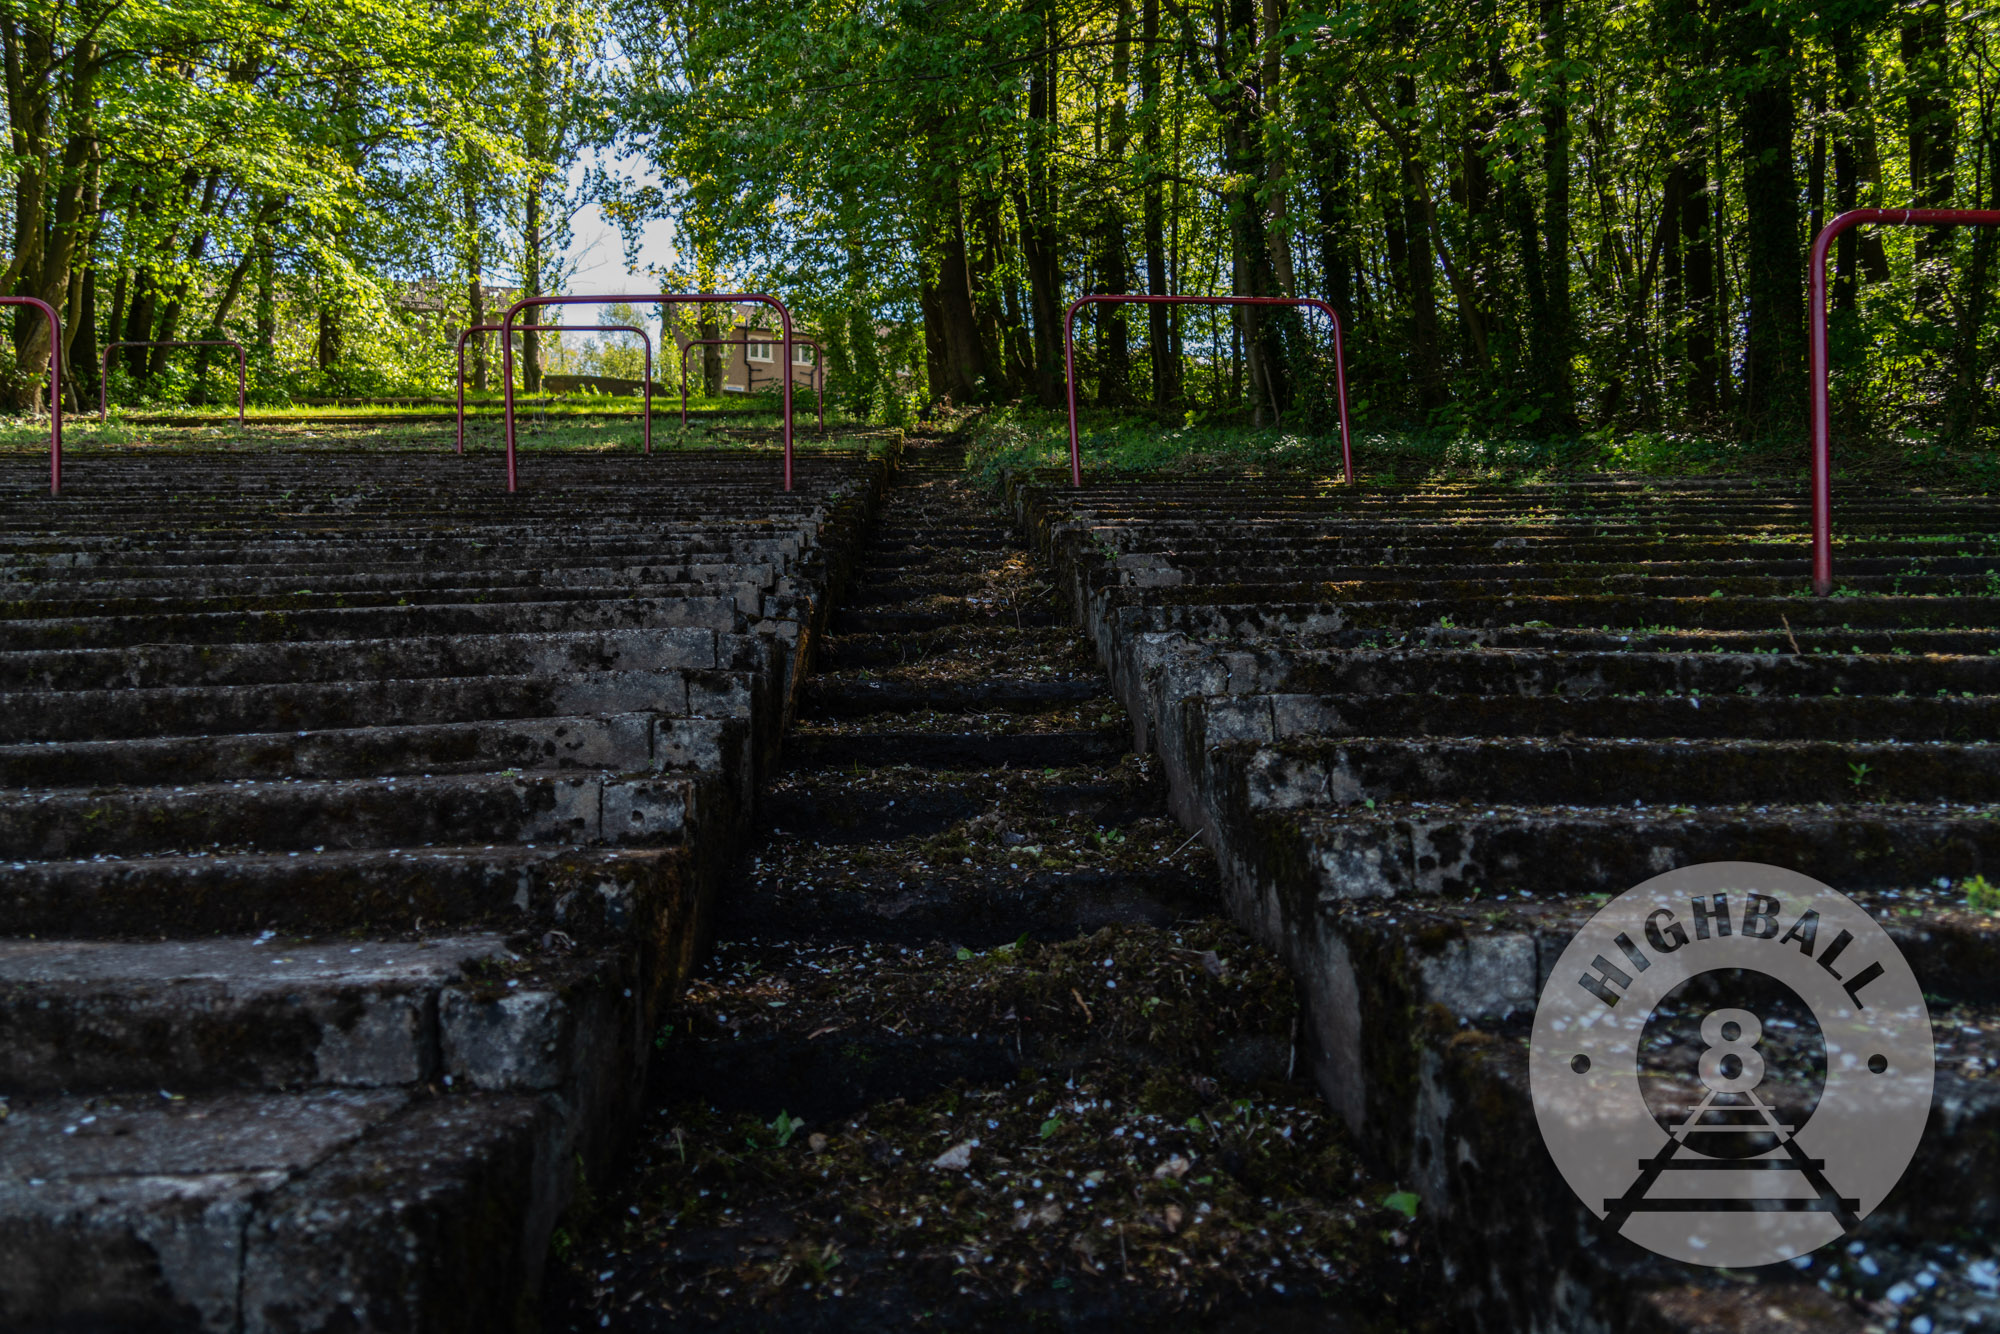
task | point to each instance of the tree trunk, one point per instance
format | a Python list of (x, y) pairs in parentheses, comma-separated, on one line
[(1159, 326), (1114, 354), (1035, 207), (267, 295), (1847, 89), (1426, 357), (951, 323), (1697, 226), (531, 285), (1559, 391), (475, 285), (1773, 258), (1964, 392), (170, 314), (54, 175), (1932, 132), (329, 347)]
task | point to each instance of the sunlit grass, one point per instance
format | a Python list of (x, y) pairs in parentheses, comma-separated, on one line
[(1109, 441)]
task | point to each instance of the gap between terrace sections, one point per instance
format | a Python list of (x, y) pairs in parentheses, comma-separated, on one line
[(975, 1046)]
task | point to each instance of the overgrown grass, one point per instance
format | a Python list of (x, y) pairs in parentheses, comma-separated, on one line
[(1111, 441), (31, 434), (613, 424)]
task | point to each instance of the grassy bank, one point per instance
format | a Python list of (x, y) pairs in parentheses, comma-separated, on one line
[(1108, 440)]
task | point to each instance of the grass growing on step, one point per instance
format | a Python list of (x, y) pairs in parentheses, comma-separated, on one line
[(31, 436), (1114, 440), (535, 434)]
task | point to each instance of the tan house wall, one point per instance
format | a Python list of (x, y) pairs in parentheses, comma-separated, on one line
[(741, 373)]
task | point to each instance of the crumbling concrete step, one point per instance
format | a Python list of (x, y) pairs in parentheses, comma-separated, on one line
[(1402, 848), (808, 749), (1311, 771), (1680, 579), (981, 908), (230, 1013), (1323, 625), (1397, 545), (141, 666), (1441, 1089), (181, 554), (848, 652), (391, 812), (273, 1213), (746, 593), (587, 893), (1357, 604), (827, 696), (1270, 717), (224, 627), (455, 583), (1579, 674), (100, 715), (625, 742), (862, 622), (277, 545)]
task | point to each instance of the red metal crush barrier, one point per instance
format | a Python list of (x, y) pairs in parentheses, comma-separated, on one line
[(651, 299), (104, 372), (557, 328), (819, 374), (1069, 357), (1822, 401), (55, 384)]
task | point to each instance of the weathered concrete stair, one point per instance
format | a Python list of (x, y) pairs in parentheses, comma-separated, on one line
[(355, 818), (1426, 729)]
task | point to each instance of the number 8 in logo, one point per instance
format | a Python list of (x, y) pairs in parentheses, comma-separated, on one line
[(1731, 1063)]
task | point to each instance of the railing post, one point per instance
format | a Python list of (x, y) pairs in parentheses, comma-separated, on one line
[(55, 384), (508, 328), (1821, 361)]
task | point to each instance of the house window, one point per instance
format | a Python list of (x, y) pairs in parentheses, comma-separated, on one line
[(760, 352), (801, 355)]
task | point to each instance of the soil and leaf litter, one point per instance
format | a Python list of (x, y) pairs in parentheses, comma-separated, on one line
[(865, 1117)]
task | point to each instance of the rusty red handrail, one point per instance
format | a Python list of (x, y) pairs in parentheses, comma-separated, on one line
[(819, 370), (1822, 397), (649, 298), (104, 371), (1069, 357), (55, 384), (558, 328)]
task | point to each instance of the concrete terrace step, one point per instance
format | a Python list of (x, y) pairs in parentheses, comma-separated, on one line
[(956, 750), (95, 715), (630, 742), (165, 665), (587, 893), (1578, 674), (454, 583), (620, 610), (1428, 729), (292, 815), (1305, 771), (827, 696), (265, 1213), (1404, 848), (746, 593), (230, 1013), (353, 793), (1692, 716)]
